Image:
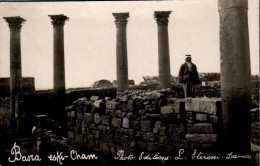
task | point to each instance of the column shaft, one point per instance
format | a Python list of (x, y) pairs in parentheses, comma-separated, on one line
[(121, 51), (58, 61), (15, 25), (235, 75), (58, 22), (161, 18)]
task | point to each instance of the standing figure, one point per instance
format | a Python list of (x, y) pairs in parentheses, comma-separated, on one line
[(188, 75)]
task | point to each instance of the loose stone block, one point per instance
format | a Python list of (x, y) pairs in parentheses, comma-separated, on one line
[(203, 105), (94, 98), (116, 122), (125, 123), (166, 110), (145, 125), (201, 117), (200, 128), (111, 105), (201, 138)]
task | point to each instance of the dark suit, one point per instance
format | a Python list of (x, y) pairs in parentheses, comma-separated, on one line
[(188, 75)]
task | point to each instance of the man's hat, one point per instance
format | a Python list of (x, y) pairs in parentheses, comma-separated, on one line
[(188, 56)]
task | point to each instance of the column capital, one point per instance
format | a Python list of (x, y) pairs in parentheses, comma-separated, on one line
[(121, 19), (224, 4), (58, 20), (14, 22), (161, 17)]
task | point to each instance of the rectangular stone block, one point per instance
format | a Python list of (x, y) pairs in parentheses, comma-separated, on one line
[(72, 114), (116, 122), (105, 120), (202, 138), (200, 128), (145, 125), (111, 105), (176, 128), (166, 110), (125, 123), (201, 117), (109, 112), (80, 116), (203, 105), (88, 117)]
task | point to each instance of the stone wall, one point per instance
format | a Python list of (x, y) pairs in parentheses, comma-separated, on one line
[(144, 122), (5, 113), (27, 85)]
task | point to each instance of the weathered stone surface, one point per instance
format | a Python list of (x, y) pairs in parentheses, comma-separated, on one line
[(163, 139), (111, 105), (148, 137), (150, 108), (176, 128), (78, 139), (125, 123), (153, 95), (203, 105), (99, 103), (141, 145), (94, 98), (145, 125), (166, 110), (201, 138), (201, 117), (71, 135), (200, 128), (116, 122), (88, 117), (80, 116), (73, 114), (213, 119), (96, 118), (105, 120)]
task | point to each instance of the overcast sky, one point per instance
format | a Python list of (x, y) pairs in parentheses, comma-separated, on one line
[(90, 38)]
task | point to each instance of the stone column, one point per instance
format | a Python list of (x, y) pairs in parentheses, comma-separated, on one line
[(58, 22), (15, 25), (235, 75), (161, 18), (121, 51)]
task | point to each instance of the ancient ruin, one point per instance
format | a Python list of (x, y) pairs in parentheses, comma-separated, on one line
[(139, 120)]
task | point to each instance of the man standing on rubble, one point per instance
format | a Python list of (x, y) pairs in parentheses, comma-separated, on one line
[(189, 77)]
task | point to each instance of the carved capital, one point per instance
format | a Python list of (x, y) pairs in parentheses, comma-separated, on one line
[(121, 19), (58, 20), (161, 17), (15, 22)]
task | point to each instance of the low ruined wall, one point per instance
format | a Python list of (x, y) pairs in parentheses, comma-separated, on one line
[(144, 122), (28, 85)]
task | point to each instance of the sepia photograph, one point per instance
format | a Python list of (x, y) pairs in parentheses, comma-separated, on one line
[(130, 83)]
